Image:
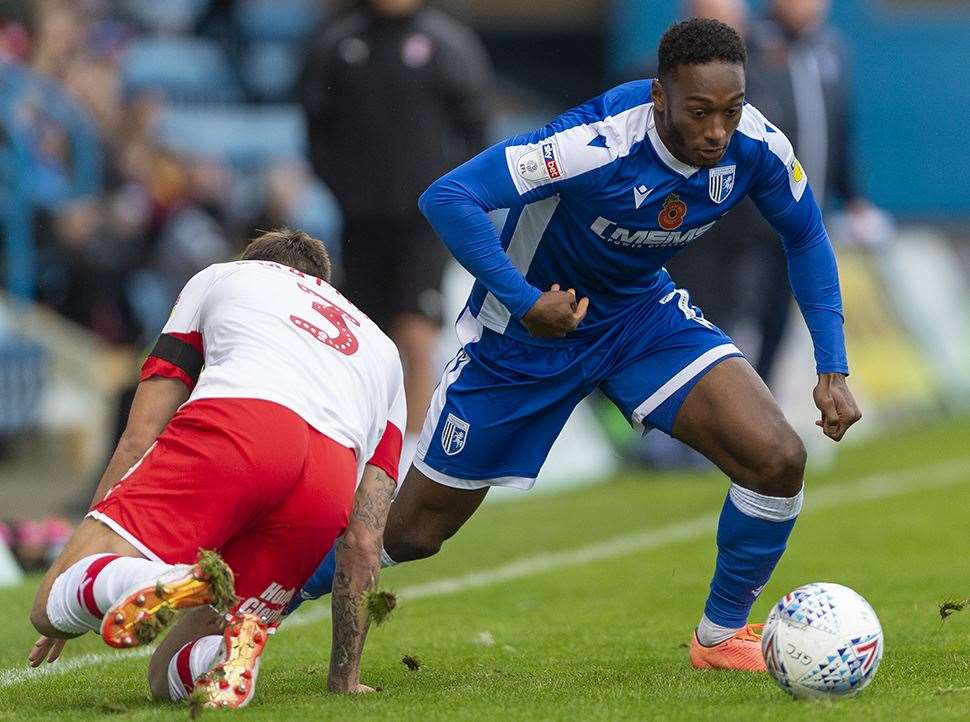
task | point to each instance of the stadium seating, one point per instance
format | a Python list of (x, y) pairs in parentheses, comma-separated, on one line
[(274, 33), (22, 375), (280, 20), (184, 69), (242, 135)]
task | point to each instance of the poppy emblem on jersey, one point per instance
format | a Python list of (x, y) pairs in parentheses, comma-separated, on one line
[(720, 182), (673, 212), (454, 435)]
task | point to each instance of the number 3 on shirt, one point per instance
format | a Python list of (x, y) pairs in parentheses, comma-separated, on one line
[(345, 342)]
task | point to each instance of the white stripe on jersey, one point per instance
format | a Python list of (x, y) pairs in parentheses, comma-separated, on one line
[(529, 229), (754, 125), (571, 149), (691, 370)]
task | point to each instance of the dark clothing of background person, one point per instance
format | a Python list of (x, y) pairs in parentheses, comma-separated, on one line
[(392, 103)]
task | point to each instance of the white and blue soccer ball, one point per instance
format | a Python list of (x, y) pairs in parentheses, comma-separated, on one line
[(822, 641)]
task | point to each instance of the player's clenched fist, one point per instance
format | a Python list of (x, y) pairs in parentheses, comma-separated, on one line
[(555, 314), (838, 406)]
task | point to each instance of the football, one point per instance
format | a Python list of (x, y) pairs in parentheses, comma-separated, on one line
[(822, 640)]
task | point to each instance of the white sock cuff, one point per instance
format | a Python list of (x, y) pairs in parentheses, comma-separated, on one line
[(770, 508), (64, 608), (386, 560), (59, 611), (203, 654), (709, 634)]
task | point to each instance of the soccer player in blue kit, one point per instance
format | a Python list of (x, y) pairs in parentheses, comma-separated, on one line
[(599, 199)]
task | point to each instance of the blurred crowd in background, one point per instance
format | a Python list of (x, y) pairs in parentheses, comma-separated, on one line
[(115, 259), (141, 141)]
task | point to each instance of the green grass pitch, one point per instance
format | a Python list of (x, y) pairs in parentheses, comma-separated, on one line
[(579, 606)]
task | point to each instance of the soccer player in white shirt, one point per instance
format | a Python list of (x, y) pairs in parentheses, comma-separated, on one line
[(266, 425)]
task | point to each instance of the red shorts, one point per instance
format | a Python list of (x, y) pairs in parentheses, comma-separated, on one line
[(248, 478)]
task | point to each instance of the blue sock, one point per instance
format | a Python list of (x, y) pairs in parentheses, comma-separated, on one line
[(751, 537), (322, 580), (317, 585)]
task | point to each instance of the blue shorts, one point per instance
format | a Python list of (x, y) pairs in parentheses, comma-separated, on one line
[(501, 403)]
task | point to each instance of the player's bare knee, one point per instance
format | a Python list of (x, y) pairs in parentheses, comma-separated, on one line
[(783, 469), (405, 542), (410, 547)]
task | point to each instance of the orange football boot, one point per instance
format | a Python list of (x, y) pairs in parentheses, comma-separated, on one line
[(147, 610), (741, 651), (232, 682)]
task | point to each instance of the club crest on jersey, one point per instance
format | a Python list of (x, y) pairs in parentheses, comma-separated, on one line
[(720, 182), (453, 435), (673, 212)]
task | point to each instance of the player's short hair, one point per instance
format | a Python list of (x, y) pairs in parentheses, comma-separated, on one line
[(296, 249), (699, 41)]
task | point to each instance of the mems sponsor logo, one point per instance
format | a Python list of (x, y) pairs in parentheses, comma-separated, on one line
[(637, 238)]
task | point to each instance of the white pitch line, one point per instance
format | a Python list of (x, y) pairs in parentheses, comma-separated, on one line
[(868, 488)]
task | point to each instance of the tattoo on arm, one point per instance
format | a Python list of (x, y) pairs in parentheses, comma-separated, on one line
[(358, 568)]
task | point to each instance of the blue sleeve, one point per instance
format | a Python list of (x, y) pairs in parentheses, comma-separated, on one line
[(457, 204), (785, 199), (520, 170)]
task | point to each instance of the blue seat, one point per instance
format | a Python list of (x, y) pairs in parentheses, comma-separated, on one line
[(22, 379), (184, 69), (270, 69), (245, 136), (276, 19)]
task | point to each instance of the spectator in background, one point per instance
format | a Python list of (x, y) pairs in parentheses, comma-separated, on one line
[(395, 94), (84, 266), (193, 235), (15, 22), (803, 84)]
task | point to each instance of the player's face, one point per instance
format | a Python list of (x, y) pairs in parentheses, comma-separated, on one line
[(698, 110)]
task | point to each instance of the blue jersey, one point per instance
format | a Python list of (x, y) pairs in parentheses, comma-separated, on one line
[(598, 203)]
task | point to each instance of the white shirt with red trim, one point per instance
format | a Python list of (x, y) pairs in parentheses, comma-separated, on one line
[(267, 331)]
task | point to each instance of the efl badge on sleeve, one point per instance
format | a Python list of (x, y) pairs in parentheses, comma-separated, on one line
[(454, 435), (532, 167), (721, 182)]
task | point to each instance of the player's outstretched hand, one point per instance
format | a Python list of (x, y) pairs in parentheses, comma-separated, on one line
[(45, 648), (838, 407), (555, 314)]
